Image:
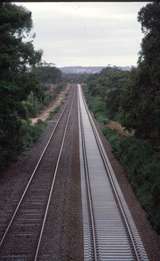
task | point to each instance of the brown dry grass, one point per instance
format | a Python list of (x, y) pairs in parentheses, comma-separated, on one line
[(114, 125)]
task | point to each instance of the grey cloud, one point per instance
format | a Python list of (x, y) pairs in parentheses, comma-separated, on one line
[(71, 37)]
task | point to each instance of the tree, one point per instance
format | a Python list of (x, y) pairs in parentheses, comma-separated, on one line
[(17, 58), (108, 86), (48, 74), (141, 99)]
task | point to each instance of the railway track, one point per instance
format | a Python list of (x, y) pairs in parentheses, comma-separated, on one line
[(109, 230), (22, 235)]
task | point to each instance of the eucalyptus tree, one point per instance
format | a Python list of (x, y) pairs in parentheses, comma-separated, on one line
[(17, 58)]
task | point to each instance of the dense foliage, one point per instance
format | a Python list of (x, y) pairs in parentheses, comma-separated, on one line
[(143, 168), (21, 93), (48, 74), (141, 103), (74, 77), (104, 91), (133, 99)]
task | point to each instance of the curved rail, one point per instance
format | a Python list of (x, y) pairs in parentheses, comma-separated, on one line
[(126, 216), (36, 168)]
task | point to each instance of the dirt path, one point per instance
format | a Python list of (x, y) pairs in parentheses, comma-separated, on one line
[(52, 106)]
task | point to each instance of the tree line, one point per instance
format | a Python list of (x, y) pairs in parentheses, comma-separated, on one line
[(22, 92), (134, 96), (133, 99)]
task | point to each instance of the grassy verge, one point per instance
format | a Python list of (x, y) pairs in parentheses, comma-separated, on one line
[(53, 112)]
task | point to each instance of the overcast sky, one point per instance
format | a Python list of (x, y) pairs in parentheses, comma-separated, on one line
[(87, 34)]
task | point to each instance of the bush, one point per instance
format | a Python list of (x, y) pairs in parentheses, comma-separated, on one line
[(56, 110), (30, 133), (143, 167), (27, 135), (102, 118)]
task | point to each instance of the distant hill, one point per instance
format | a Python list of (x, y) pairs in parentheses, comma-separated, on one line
[(81, 69), (89, 69), (125, 68)]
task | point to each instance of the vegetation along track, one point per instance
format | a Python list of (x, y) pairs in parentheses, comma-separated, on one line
[(109, 230), (22, 235)]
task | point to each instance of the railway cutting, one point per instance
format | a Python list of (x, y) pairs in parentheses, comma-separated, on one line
[(72, 200)]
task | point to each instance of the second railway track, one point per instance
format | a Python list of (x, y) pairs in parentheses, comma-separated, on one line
[(109, 231), (22, 235)]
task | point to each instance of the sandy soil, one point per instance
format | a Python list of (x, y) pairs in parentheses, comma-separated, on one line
[(52, 106)]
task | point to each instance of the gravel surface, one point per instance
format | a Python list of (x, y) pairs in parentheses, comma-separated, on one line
[(63, 239), (149, 237)]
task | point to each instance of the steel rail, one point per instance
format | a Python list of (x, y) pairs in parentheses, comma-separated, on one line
[(53, 183), (119, 201), (89, 195), (31, 178)]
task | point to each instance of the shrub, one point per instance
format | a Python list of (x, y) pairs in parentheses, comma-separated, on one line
[(143, 167), (30, 133)]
